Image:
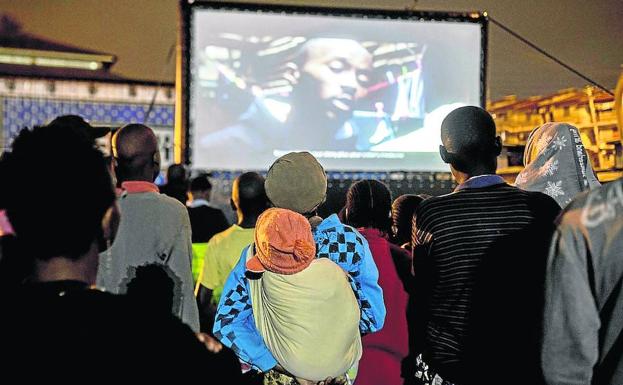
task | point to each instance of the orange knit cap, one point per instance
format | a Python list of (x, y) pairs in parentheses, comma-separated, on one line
[(284, 243)]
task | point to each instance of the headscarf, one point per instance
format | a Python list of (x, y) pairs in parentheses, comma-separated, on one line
[(556, 163)]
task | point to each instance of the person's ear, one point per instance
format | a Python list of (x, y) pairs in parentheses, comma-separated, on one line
[(498, 145), (156, 163), (156, 159), (232, 204), (113, 144), (445, 156)]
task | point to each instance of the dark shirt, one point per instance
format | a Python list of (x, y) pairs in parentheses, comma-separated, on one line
[(63, 331), (205, 221), (452, 234), (583, 316), (177, 191), (13, 269), (403, 261), (507, 310)]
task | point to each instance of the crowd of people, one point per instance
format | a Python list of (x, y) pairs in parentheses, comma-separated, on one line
[(105, 273)]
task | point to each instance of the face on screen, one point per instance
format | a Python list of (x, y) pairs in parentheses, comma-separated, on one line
[(361, 93), (336, 72)]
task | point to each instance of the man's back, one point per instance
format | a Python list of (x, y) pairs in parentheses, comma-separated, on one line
[(222, 254), (452, 235), (154, 229), (205, 222), (583, 325)]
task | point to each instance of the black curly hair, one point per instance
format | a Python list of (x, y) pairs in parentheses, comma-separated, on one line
[(56, 190)]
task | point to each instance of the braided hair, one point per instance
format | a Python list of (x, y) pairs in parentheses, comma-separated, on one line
[(368, 204)]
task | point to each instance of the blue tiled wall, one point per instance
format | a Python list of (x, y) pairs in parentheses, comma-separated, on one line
[(18, 113)]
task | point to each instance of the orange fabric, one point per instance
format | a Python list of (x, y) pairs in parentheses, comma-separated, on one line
[(135, 187), (284, 243)]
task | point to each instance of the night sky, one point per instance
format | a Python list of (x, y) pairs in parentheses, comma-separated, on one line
[(586, 34)]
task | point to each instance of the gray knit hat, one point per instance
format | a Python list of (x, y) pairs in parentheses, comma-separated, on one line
[(297, 182)]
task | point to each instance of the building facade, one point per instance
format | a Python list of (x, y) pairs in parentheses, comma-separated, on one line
[(41, 79), (591, 110)]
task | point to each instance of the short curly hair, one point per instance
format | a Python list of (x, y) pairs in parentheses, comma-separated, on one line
[(403, 209), (56, 191)]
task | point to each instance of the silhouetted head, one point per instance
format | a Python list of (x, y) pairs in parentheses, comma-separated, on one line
[(176, 174), (368, 204), (135, 150), (469, 141), (248, 194), (76, 122), (153, 288), (79, 198), (200, 187), (403, 209), (201, 183)]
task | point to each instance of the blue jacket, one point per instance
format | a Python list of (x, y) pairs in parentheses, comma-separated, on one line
[(234, 325)]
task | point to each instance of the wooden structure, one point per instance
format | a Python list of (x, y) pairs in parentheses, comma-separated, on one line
[(597, 114)]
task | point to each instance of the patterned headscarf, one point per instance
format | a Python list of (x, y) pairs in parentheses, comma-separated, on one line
[(556, 163)]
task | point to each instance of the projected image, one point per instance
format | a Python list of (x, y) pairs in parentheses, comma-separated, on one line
[(346, 96)]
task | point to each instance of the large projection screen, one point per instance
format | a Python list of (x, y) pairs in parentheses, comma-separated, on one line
[(360, 90)]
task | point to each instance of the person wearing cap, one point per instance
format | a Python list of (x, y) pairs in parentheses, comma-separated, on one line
[(80, 126), (303, 307), (99, 136), (297, 182)]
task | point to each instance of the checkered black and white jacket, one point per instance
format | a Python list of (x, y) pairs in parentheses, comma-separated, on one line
[(234, 325)]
